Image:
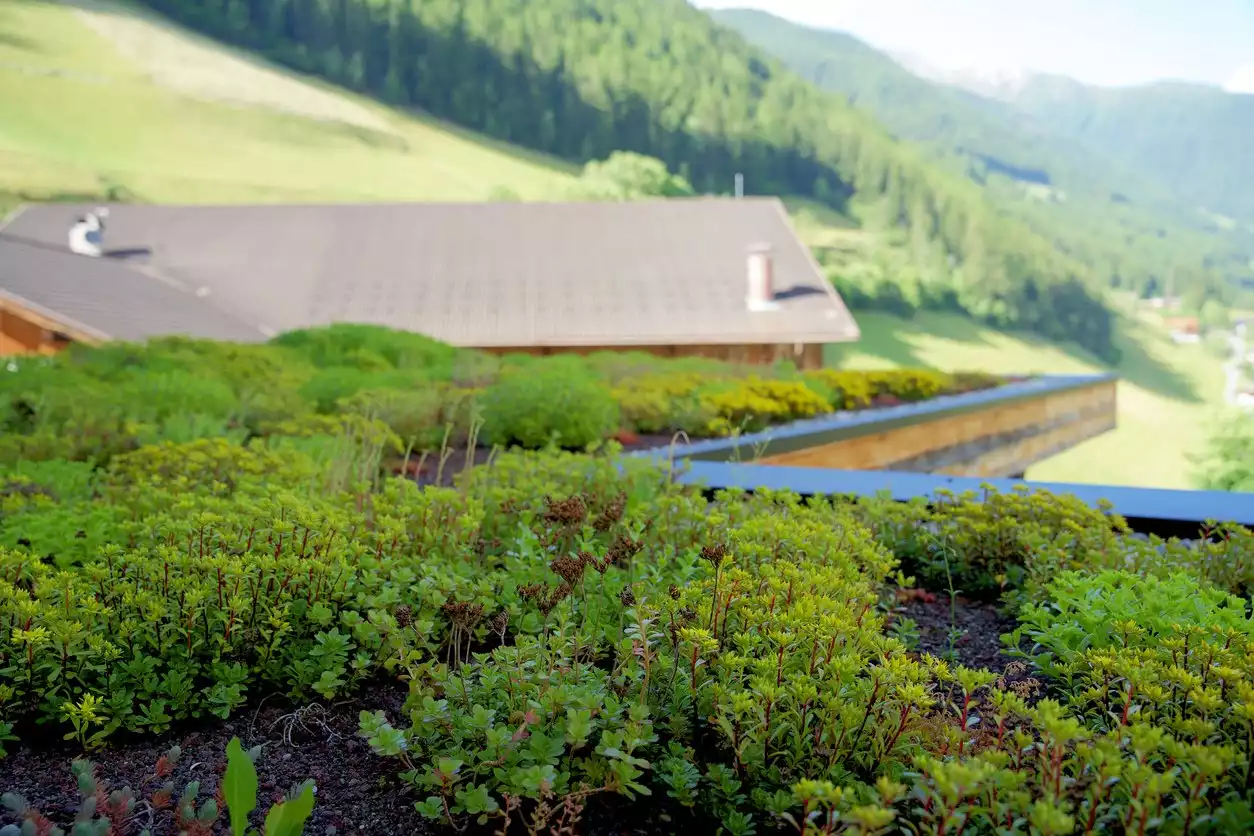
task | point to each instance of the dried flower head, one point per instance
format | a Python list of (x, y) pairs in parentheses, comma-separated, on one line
[(627, 598), (404, 615), (555, 597), (565, 512), (622, 549), (533, 591), (569, 569), (714, 554), (1026, 688), (612, 513), (464, 615), (673, 592)]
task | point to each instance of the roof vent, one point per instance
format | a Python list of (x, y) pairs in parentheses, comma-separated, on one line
[(761, 295), (87, 234)]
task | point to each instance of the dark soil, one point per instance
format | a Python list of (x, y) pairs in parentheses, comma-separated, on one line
[(357, 791), (978, 644), (980, 625)]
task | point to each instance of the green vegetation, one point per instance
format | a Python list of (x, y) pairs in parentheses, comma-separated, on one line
[(577, 626), (411, 395), (1130, 229), (1226, 463), (1168, 394), (575, 80)]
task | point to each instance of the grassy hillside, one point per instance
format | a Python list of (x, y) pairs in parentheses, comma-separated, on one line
[(1168, 394), (1124, 224), (584, 78), (97, 97)]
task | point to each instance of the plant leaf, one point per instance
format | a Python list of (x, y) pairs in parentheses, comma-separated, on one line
[(287, 818), (239, 786)]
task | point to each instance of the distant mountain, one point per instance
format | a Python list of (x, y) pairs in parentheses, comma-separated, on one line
[(1197, 139), (993, 83), (1075, 162)]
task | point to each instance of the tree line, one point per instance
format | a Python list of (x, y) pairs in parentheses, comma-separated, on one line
[(583, 78)]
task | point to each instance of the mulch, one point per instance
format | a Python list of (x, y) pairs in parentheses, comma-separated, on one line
[(980, 626), (357, 791)]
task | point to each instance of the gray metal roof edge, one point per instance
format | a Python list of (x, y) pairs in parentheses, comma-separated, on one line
[(813, 432), (1169, 504), (12, 215), (55, 316)]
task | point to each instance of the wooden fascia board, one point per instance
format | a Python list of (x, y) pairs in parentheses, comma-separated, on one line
[(50, 320)]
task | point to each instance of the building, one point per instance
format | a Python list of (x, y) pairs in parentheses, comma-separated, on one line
[(1184, 329), (724, 278)]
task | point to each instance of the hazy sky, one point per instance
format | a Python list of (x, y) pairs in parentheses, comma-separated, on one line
[(1110, 42)]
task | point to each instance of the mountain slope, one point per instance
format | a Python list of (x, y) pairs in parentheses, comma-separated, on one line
[(583, 78), (1122, 222), (1197, 139), (100, 100)]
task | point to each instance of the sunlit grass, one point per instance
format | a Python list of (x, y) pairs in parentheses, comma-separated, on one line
[(76, 116)]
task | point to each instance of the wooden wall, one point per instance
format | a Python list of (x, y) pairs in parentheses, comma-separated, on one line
[(806, 355), (1000, 440), (23, 332)]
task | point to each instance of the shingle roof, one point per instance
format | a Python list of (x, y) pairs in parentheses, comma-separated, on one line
[(496, 274), (107, 299)]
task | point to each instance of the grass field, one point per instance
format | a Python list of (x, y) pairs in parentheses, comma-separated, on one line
[(96, 95), (1169, 394)]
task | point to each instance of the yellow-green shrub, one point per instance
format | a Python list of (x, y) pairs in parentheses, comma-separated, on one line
[(424, 418), (846, 389), (655, 403), (754, 404)]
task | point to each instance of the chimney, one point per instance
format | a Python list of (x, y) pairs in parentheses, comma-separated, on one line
[(761, 295), (87, 234)]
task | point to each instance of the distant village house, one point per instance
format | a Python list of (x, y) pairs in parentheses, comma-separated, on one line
[(1184, 329)]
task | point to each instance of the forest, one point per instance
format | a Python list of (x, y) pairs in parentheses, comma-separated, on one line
[(581, 79), (1127, 218)]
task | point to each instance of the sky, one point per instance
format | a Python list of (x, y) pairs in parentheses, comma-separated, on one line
[(1105, 42)]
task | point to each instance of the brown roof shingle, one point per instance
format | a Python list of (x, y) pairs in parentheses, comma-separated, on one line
[(496, 274)]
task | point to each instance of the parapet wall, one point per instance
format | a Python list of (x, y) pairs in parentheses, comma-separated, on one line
[(993, 433)]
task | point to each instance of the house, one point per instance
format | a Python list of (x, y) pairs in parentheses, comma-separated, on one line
[(1184, 329), (717, 277)]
